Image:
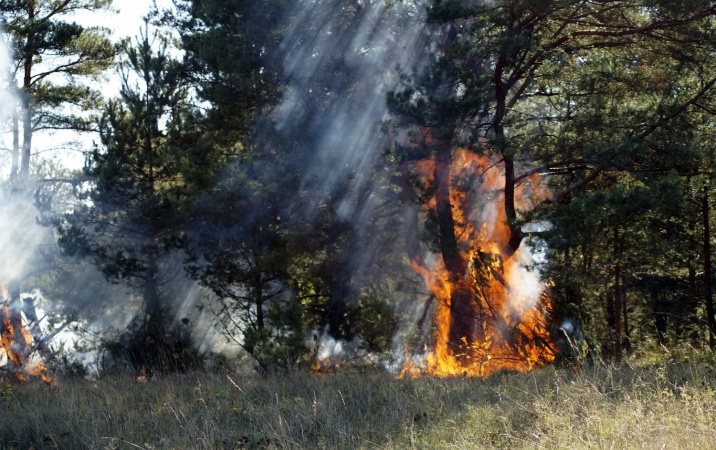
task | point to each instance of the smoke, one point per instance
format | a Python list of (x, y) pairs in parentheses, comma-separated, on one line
[(8, 101), (341, 58), (526, 287), (21, 239), (523, 277)]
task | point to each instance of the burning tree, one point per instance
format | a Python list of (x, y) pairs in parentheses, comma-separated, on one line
[(492, 311), (517, 91)]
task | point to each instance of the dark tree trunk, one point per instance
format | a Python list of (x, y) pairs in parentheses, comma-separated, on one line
[(152, 298), (611, 320), (15, 164), (618, 332), (27, 101), (625, 317), (259, 300), (152, 345), (501, 90), (705, 210), (516, 234), (463, 309), (693, 297), (26, 136), (659, 317), (616, 307)]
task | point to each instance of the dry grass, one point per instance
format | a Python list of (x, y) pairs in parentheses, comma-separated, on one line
[(658, 405)]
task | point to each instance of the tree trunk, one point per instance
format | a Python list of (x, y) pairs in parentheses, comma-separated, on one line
[(463, 309), (26, 101), (705, 210), (516, 234), (259, 300), (15, 165), (659, 316), (608, 351), (625, 318), (617, 325), (26, 136), (693, 297)]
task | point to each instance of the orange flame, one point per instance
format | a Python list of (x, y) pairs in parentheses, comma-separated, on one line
[(142, 377), (512, 303), (17, 342), (325, 366)]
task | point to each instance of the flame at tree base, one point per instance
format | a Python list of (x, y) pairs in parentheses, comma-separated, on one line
[(504, 308), (513, 337), (17, 344)]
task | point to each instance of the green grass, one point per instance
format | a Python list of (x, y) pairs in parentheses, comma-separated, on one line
[(659, 405)]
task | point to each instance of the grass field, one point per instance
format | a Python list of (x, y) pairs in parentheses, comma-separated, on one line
[(647, 405)]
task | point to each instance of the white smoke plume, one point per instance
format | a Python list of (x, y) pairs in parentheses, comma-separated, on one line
[(342, 57)]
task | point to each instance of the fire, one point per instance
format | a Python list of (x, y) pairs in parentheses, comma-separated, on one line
[(325, 366), (17, 343), (510, 303)]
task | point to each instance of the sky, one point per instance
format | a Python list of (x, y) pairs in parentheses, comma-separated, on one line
[(127, 21)]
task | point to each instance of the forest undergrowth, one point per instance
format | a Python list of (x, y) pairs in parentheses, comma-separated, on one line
[(666, 402)]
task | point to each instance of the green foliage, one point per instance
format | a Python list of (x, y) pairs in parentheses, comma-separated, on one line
[(230, 56), (52, 57), (131, 225), (373, 321), (267, 235), (281, 344), (137, 193), (614, 119), (613, 102), (241, 251)]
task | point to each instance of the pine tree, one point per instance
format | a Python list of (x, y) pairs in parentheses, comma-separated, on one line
[(142, 181), (558, 88), (52, 56), (231, 58)]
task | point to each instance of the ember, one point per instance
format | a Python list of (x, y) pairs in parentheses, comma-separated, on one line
[(327, 365), (505, 306)]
